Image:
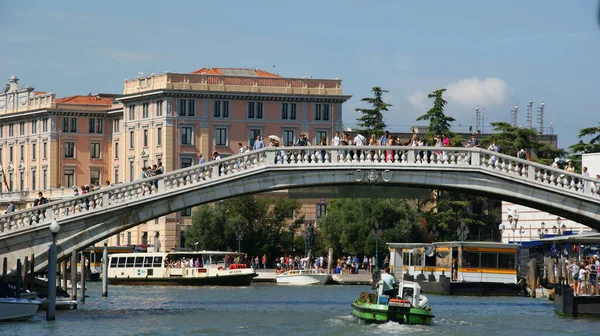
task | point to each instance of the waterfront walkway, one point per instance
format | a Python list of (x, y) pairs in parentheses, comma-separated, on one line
[(362, 278)]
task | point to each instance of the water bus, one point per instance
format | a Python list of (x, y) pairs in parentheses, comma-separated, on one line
[(463, 268), (169, 268)]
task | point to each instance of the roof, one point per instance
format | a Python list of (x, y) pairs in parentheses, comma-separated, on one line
[(588, 238), (481, 244), (85, 100), (235, 72)]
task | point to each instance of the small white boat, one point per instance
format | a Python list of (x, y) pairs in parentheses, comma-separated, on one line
[(13, 309), (303, 277)]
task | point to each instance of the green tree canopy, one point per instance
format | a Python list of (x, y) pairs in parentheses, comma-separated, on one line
[(371, 120), (348, 227), (593, 146), (264, 222), (511, 139), (439, 122)]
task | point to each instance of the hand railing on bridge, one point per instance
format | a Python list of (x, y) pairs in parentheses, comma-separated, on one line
[(386, 157)]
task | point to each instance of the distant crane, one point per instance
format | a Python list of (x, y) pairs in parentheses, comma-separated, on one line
[(540, 117), (530, 113), (513, 115)]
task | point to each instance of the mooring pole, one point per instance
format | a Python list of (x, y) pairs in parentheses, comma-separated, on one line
[(83, 269), (74, 275), (105, 269), (4, 268), (32, 272), (25, 277), (19, 274)]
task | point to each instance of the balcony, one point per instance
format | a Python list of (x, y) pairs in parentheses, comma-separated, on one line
[(16, 196)]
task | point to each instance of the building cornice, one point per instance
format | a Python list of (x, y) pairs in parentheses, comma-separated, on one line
[(150, 95)]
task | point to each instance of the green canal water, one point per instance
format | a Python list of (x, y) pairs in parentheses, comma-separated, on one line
[(268, 309)]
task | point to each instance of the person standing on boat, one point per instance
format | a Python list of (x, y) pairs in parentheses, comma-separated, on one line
[(388, 281)]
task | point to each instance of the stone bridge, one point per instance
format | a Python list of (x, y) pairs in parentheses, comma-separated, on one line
[(120, 207)]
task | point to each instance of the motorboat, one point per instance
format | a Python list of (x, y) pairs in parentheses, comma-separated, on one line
[(407, 307), (303, 277), (13, 309)]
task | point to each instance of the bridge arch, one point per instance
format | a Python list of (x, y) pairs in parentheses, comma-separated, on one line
[(474, 171)]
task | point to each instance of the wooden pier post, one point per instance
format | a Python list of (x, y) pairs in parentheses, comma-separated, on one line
[(4, 266), (25, 269), (19, 274), (83, 269), (32, 272), (74, 275), (63, 272), (329, 260)]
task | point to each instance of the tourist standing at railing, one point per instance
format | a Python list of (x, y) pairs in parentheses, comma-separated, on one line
[(217, 157), (585, 173), (389, 153), (555, 163), (258, 143), (494, 148), (336, 139), (445, 143), (11, 207), (144, 175), (359, 140), (383, 140)]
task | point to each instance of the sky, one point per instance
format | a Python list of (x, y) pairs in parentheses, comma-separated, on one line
[(492, 54)]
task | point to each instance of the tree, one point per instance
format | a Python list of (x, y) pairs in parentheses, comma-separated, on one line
[(348, 227), (510, 139), (372, 119), (207, 229), (438, 121), (593, 146)]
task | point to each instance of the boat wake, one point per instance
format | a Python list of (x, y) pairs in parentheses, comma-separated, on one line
[(389, 328)]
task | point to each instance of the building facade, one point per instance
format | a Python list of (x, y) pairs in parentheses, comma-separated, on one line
[(52, 145)]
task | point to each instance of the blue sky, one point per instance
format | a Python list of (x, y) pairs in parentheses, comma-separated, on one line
[(495, 54)]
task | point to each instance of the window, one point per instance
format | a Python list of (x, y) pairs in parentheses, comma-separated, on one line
[(11, 130), (33, 180), (22, 128), (145, 242), (187, 212), (159, 136), (220, 136), (131, 172), (131, 139), (10, 154), (33, 152), (34, 127), (116, 126), (326, 111), (186, 162), (145, 163), (131, 112), (221, 109), (73, 128), (252, 134), (116, 176), (44, 150), (1, 131), (116, 150), (285, 111), (320, 135), (95, 177), (322, 111), (0, 157), (65, 124), (259, 110), (22, 153), (95, 150), (321, 210), (44, 125), (44, 179), (95, 125), (181, 105), (10, 182), (159, 108), (489, 260), (250, 110), (145, 113), (289, 137), (139, 261), (69, 149), (470, 259), (191, 108), (69, 178), (187, 135), (21, 181), (506, 260), (318, 111), (113, 262), (145, 137)]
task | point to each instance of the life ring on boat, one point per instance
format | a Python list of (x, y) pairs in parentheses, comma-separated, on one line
[(399, 301), (220, 268)]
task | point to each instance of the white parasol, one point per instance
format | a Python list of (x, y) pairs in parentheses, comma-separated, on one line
[(275, 138)]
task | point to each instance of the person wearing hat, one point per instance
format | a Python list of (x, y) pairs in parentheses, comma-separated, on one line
[(555, 163)]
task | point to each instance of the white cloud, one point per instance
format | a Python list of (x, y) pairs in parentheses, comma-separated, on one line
[(474, 91), (418, 99)]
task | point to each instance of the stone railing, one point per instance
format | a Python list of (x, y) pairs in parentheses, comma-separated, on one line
[(325, 157)]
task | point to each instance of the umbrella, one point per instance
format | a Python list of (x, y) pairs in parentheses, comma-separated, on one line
[(274, 138)]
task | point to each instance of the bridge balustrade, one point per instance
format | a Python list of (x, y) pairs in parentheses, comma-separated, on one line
[(320, 157)]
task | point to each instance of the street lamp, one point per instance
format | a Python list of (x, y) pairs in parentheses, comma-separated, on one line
[(521, 231), (554, 229), (239, 233), (105, 269), (462, 231), (51, 310)]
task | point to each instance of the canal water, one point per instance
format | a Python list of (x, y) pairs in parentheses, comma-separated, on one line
[(268, 309)]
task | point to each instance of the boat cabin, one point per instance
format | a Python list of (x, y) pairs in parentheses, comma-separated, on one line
[(459, 261)]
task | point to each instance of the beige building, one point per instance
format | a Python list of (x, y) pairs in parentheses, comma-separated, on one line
[(53, 145)]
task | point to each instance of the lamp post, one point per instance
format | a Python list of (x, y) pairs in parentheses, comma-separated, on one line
[(543, 229), (377, 232), (239, 235), (462, 231), (521, 231), (501, 229), (105, 269), (51, 310)]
